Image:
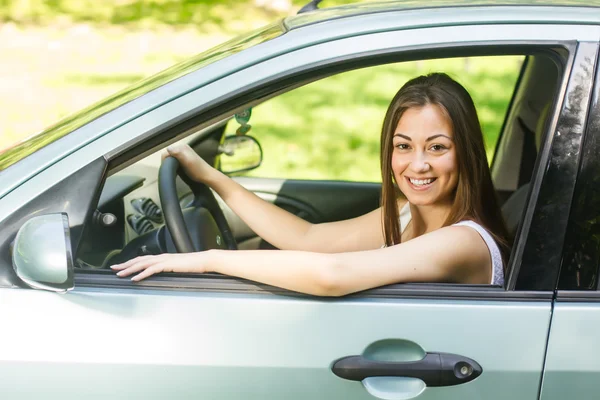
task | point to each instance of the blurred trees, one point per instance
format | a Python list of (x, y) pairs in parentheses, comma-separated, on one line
[(59, 56), (219, 14)]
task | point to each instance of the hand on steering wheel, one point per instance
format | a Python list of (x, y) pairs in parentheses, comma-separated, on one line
[(216, 232), (190, 162)]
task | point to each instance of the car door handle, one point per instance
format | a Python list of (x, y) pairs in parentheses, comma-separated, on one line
[(435, 369)]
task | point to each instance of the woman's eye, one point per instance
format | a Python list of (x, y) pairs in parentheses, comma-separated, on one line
[(438, 147), (402, 146)]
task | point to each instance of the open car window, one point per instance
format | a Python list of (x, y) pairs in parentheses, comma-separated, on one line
[(327, 131), (330, 129)]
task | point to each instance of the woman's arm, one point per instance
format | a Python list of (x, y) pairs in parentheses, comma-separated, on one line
[(277, 226), (286, 231), (451, 254)]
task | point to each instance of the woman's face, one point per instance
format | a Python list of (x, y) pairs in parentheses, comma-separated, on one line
[(424, 156)]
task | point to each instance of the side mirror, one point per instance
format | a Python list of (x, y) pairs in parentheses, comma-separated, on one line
[(41, 253), (239, 154)]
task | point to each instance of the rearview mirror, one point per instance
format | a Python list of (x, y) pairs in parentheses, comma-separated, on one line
[(239, 154), (41, 253)]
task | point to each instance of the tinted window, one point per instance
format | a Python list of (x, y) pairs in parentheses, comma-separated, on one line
[(579, 270)]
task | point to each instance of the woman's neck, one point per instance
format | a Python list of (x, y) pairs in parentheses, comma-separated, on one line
[(428, 218)]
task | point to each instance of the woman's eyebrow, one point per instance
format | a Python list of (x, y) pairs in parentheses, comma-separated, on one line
[(402, 136), (436, 136)]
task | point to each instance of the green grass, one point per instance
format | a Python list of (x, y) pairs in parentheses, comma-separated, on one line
[(330, 129)]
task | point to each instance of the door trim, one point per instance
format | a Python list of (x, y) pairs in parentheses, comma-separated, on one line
[(211, 282)]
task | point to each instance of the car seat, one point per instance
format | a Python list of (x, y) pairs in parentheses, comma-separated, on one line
[(513, 208)]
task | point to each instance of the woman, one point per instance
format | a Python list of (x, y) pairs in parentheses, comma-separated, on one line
[(448, 228)]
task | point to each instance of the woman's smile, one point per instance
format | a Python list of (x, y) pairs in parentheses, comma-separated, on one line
[(420, 183)]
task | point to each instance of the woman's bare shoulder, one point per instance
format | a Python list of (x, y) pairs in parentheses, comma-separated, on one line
[(455, 253)]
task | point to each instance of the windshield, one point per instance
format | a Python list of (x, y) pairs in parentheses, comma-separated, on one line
[(20, 150)]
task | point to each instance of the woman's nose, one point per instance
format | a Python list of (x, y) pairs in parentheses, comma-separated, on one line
[(419, 163)]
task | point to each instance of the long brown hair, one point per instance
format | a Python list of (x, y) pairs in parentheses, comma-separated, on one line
[(474, 197)]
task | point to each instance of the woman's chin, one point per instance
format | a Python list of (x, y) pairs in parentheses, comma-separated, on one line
[(428, 199), (421, 199)]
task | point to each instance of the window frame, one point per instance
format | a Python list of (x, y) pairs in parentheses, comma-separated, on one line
[(281, 84)]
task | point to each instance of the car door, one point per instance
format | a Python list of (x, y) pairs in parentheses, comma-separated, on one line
[(219, 337), (573, 359)]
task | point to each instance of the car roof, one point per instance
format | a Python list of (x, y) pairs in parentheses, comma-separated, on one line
[(371, 7)]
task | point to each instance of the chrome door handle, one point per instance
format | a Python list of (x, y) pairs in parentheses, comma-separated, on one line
[(435, 369)]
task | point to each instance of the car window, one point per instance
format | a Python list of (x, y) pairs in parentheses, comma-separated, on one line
[(330, 129)]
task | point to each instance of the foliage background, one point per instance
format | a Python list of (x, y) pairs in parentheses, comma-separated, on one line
[(59, 56), (330, 129)]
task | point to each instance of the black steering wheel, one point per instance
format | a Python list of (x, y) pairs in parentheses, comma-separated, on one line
[(214, 232)]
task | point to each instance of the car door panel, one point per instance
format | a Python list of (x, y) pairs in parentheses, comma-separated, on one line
[(573, 357), (159, 344)]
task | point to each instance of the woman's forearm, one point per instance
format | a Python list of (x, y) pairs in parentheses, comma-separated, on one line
[(338, 274), (305, 272), (275, 225)]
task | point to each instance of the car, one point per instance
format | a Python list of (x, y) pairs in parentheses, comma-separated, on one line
[(91, 190)]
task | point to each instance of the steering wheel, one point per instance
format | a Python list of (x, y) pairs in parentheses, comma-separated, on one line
[(214, 232)]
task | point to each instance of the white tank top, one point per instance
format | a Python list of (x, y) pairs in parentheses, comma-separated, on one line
[(497, 270)]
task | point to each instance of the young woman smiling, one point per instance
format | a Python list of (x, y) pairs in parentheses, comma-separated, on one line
[(447, 227)]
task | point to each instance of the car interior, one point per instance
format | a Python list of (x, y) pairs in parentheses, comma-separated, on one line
[(130, 217)]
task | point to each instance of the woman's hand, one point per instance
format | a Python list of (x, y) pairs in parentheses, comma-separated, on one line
[(150, 265), (193, 165)]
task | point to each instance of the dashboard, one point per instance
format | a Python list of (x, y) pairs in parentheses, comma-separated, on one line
[(128, 220)]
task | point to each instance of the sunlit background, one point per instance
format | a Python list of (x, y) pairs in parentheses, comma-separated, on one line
[(59, 56)]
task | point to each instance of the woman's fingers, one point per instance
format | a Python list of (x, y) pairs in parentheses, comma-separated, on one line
[(134, 268), (127, 264), (149, 265), (136, 265), (176, 150), (154, 269), (173, 149), (146, 266), (164, 154)]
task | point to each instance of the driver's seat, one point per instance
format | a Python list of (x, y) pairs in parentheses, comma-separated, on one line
[(513, 208)]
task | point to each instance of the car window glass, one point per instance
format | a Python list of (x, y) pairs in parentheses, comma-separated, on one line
[(579, 269), (330, 129)]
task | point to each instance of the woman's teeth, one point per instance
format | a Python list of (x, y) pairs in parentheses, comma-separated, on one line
[(420, 182)]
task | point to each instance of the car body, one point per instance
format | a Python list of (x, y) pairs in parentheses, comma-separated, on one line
[(185, 336)]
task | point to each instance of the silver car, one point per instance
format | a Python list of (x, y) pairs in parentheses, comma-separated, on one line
[(90, 191)]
